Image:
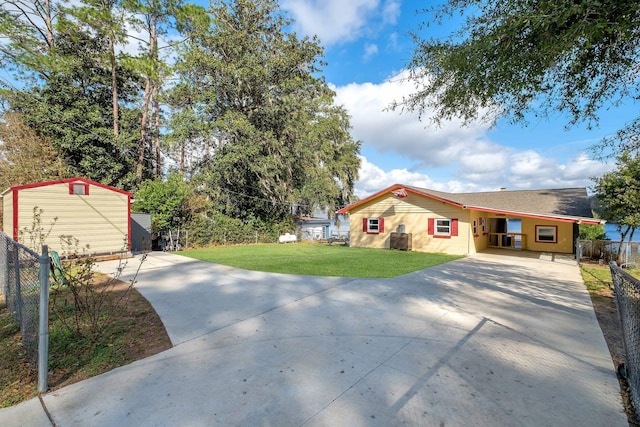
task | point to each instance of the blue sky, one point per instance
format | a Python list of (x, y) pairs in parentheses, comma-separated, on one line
[(367, 47)]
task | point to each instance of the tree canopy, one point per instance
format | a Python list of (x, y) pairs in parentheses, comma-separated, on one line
[(124, 91), (619, 194), (273, 140), (515, 57)]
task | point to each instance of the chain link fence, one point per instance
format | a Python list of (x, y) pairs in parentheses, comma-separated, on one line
[(625, 253), (627, 291), (25, 288)]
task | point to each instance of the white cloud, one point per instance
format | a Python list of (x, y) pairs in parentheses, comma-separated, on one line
[(405, 134), (370, 50), (391, 12), (466, 153), (373, 178), (339, 21)]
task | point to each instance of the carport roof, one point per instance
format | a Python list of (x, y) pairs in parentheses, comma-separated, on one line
[(564, 204)]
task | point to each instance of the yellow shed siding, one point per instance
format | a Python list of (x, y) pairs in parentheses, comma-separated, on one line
[(98, 222), (413, 212), (7, 213)]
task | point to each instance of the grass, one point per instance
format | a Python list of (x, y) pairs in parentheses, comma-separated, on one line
[(319, 260)]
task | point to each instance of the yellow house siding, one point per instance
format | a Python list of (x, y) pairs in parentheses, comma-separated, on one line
[(414, 212), (564, 236), (98, 221)]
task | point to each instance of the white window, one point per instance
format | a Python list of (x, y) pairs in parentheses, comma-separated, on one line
[(483, 225), (373, 225), (546, 234), (443, 227), (475, 227)]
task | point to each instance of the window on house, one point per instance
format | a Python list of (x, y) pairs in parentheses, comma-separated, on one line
[(483, 225), (79, 189), (546, 233), (373, 225), (475, 227), (442, 227)]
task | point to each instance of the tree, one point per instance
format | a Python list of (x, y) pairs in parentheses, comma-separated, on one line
[(156, 17), (518, 56), (619, 193), (171, 203), (277, 141), (71, 110), (26, 158), (28, 36), (107, 19)]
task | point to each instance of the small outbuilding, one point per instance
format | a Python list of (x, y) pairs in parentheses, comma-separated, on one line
[(73, 215)]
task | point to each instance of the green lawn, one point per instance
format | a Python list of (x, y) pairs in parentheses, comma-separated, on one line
[(320, 259)]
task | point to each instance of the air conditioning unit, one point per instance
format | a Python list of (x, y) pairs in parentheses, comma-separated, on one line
[(400, 241)]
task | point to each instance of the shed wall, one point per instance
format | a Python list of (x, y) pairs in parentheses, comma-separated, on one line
[(7, 213), (93, 223)]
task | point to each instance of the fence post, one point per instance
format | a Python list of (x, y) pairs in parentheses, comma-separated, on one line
[(43, 344), (5, 269), (18, 298)]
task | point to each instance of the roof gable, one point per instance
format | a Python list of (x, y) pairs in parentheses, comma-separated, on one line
[(65, 181), (570, 204)]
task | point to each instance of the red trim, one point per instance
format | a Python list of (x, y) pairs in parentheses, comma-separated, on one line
[(527, 215), (391, 189), (15, 215), (365, 224), (380, 225), (454, 227), (129, 222), (68, 180), (72, 186), (441, 237), (430, 227), (347, 209)]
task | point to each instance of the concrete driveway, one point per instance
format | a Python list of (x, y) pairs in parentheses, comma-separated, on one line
[(486, 340)]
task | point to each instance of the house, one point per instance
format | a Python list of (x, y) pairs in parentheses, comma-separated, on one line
[(406, 217), (73, 215), (319, 227)]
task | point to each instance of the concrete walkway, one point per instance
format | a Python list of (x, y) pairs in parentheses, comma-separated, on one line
[(487, 340)]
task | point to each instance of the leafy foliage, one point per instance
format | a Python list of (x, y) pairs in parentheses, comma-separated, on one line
[(619, 193), (274, 140), (592, 232), (27, 157), (172, 203), (514, 57), (69, 110)]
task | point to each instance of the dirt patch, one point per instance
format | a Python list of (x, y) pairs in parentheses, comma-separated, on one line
[(136, 333)]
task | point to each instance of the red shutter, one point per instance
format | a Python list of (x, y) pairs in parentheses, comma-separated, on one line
[(86, 189), (365, 222), (454, 227), (381, 225), (70, 188), (430, 227)]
